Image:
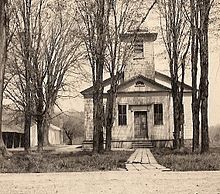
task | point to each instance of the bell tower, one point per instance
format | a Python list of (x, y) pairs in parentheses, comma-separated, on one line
[(141, 61)]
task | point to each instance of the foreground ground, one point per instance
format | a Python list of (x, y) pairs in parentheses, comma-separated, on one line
[(111, 182), (150, 180), (72, 159), (65, 159), (185, 160)]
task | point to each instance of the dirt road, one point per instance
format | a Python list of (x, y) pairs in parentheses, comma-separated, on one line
[(111, 182)]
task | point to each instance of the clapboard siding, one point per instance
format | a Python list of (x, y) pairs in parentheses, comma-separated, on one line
[(144, 66), (154, 89)]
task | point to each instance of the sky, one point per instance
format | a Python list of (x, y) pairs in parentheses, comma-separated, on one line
[(161, 65)]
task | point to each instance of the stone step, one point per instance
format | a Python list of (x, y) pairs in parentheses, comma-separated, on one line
[(142, 147), (141, 140), (148, 144), (142, 144)]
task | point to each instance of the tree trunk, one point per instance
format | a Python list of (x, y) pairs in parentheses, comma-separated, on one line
[(27, 126), (181, 96), (98, 112), (40, 133), (176, 114), (98, 117), (110, 107), (204, 126), (176, 142), (182, 125), (46, 126), (69, 136), (27, 63), (195, 117), (40, 118), (3, 150), (27, 108), (173, 37), (194, 69), (204, 83)]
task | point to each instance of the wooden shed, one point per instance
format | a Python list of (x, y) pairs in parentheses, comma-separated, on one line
[(55, 135), (13, 135)]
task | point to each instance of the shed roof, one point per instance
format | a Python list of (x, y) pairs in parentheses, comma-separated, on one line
[(12, 128), (20, 129), (55, 127)]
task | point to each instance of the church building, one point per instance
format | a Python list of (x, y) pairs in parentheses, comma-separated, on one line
[(144, 112)]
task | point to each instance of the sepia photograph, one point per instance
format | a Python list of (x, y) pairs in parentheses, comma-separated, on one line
[(109, 96)]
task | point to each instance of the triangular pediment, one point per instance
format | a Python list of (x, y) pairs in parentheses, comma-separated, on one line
[(141, 84)]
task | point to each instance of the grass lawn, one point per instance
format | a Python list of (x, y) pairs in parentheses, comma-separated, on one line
[(64, 162), (186, 160)]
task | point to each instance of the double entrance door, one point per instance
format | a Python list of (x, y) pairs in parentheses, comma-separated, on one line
[(140, 124)]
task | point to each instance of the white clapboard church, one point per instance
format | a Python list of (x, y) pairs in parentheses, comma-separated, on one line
[(144, 112)]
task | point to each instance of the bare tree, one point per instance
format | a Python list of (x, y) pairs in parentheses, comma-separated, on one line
[(194, 63), (23, 22), (199, 19), (54, 53), (116, 53), (60, 61), (123, 17), (72, 126), (3, 49), (177, 41), (24, 54), (93, 17), (204, 10)]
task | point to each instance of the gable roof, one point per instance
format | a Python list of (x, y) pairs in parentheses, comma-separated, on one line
[(153, 82), (90, 89), (167, 78), (108, 81)]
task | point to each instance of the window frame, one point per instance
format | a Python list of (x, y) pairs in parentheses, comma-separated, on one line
[(138, 49), (158, 114), (122, 114)]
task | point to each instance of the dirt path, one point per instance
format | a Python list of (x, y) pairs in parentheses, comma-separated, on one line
[(111, 182)]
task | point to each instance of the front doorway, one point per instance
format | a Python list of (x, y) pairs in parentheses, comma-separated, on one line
[(140, 124)]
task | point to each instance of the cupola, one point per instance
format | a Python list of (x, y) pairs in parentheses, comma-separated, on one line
[(141, 62)]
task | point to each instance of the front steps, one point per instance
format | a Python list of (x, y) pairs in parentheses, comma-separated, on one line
[(142, 144), (126, 144)]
